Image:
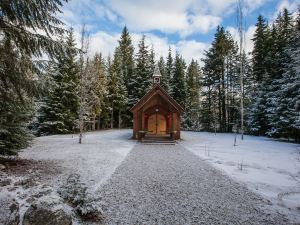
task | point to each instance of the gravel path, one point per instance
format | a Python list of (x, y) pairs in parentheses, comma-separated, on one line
[(159, 184)]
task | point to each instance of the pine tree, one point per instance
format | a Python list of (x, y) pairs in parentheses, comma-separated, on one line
[(126, 52), (258, 123), (281, 34), (191, 116), (59, 111), (143, 71), (17, 85), (152, 62), (169, 72), (178, 80), (288, 96), (162, 68), (19, 44), (220, 84), (116, 88), (208, 93), (95, 87), (100, 86)]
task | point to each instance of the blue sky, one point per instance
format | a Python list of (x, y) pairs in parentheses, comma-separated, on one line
[(188, 26)]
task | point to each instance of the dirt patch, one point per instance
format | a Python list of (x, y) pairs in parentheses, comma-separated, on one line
[(23, 167)]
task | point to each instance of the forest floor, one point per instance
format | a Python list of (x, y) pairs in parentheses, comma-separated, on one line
[(172, 179)]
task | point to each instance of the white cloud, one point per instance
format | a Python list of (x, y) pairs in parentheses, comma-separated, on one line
[(160, 44), (169, 16), (201, 23), (78, 12), (106, 43), (185, 17), (248, 35), (192, 50), (291, 6), (253, 4)]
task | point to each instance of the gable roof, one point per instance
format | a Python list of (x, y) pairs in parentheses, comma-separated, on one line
[(156, 89)]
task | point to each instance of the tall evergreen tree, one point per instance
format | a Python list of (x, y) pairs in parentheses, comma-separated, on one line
[(162, 68), (97, 89), (282, 30), (220, 83), (143, 71), (17, 86), (116, 88), (178, 80), (126, 52), (191, 118), (19, 44), (59, 111), (288, 95), (152, 61), (262, 44), (169, 71)]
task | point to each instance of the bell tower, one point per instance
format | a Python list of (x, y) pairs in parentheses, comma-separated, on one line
[(156, 75)]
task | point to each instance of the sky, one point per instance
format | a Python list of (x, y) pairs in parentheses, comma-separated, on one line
[(187, 26)]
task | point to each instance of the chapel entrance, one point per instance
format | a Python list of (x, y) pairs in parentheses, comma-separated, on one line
[(157, 124)]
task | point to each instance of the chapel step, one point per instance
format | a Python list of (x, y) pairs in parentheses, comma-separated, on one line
[(158, 141)]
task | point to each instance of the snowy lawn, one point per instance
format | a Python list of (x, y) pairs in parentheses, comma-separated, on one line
[(94, 160), (268, 167), (41, 170)]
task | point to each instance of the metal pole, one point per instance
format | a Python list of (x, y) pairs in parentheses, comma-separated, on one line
[(241, 33)]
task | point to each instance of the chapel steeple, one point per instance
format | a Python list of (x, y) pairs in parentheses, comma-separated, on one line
[(156, 75)]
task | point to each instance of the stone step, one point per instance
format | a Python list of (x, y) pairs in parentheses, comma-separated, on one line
[(158, 141)]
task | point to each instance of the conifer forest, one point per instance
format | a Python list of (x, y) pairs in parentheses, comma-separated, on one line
[(50, 85)]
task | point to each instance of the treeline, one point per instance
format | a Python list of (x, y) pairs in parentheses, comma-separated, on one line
[(73, 91), (271, 81), (275, 105)]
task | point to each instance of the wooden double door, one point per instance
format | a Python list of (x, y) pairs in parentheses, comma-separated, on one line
[(157, 124)]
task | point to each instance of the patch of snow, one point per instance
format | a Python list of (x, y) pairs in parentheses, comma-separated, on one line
[(94, 160), (267, 166)]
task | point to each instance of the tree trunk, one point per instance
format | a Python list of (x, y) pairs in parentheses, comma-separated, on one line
[(120, 119), (112, 119), (94, 122), (99, 122), (80, 129)]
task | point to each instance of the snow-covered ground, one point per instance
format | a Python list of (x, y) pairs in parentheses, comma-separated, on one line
[(42, 169), (268, 167), (94, 160)]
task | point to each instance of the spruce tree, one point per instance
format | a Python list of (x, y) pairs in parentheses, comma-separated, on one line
[(220, 84), (152, 62), (162, 68), (281, 35), (191, 118), (100, 86), (178, 80), (288, 96), (126, 52), (59, 111), (19, 44), (143, 71), (208, 93), (258, 123), (169, 72), (117, 95), (17, 86), (95, 87)]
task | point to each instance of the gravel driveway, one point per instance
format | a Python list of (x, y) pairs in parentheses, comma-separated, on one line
[(159, 184)]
